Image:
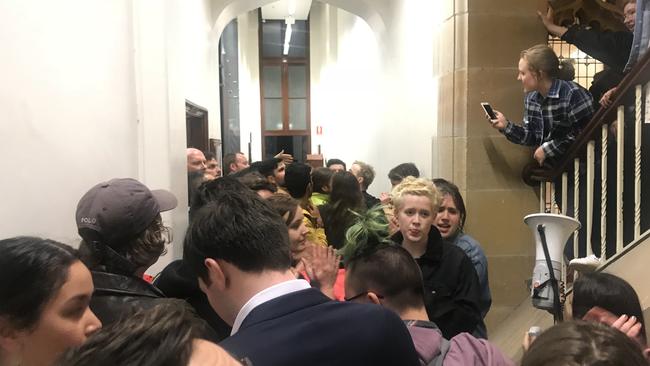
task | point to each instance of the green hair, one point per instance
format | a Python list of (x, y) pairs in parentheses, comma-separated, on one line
[(368, 233)]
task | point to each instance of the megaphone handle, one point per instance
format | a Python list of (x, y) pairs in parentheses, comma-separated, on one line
[(556, 291)]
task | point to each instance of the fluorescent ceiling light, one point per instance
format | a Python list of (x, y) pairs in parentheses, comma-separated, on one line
[(287, 35)]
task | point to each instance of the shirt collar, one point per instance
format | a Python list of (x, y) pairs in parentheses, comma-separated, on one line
[(265, 295), (554, 91)]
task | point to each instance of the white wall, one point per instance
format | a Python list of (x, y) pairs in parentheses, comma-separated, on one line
[(200, 53), (69, 113), (91, 90), (375, 95), (249, 85), (373, 85)]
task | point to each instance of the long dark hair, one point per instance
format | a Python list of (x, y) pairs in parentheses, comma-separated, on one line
[(609, 292), (32, 271), (346, 196)]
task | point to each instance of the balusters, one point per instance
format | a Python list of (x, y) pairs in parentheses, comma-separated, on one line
[(603, 193), (576, 202), (565, 191), (590, 194), (637, 163), (620, 132)]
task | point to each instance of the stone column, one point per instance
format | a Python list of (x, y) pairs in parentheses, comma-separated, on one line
[(480, 43)]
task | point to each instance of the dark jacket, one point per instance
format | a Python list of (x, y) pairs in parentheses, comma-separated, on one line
[(475, 253), (451, 289), (178, 282), (610, 48), (117, 295), (370, 200), (307, 328)]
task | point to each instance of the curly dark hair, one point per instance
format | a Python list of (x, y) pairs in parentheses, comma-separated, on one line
[(140, 252)]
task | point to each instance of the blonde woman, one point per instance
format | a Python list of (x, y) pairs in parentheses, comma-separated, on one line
[(555, 108), (451, 288)]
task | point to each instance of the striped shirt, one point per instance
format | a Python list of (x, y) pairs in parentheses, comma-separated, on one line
[(553, 122)]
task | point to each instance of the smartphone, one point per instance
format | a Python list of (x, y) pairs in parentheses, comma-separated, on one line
[(488, 109), (534, 331), (598, 314)]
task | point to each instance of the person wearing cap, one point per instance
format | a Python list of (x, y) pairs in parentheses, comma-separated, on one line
[(123, 235)]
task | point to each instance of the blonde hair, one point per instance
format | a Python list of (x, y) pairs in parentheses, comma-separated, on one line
[(416, 187), (542, 58)]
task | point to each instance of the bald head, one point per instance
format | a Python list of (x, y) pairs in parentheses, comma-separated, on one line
[(195, 160)]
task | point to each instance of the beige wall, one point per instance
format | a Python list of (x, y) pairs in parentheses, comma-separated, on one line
[(479, 51)]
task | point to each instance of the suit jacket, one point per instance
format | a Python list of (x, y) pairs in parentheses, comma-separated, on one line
[(307, 328)]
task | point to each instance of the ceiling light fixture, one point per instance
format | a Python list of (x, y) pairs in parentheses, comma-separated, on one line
[(287, 35)]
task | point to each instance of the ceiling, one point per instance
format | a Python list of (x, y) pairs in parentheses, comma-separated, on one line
[(284, 8)]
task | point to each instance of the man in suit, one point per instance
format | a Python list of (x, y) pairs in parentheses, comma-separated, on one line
[(239, 248)]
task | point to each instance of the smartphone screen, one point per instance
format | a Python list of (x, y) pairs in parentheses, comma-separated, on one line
[(488, 109)]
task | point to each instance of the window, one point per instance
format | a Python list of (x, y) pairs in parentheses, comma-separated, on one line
[(586, 66), (284, 80)]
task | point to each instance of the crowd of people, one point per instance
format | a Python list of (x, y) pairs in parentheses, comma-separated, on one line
[(253, 288), (286, 264)]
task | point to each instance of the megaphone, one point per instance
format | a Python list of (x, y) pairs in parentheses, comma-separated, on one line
[(551, 233)]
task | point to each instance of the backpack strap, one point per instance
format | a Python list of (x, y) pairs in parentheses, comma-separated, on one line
[(438, 360)]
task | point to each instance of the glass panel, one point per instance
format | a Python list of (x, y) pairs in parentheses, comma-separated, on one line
[(298, 114), (299, 38), (272, 114), (297, 81), (272, 76), (272, 38), (298, 146), (228, 64)]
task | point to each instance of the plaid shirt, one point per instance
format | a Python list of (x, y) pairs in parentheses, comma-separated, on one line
[(553, 122)]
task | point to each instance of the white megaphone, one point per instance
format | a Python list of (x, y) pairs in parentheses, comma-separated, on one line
[(551, 233)]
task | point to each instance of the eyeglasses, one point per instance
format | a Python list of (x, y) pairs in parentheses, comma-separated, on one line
[(362, 294)]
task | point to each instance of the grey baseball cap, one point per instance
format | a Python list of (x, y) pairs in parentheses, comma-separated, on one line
[(120, 209)]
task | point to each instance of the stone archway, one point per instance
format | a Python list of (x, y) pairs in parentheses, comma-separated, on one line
[(225, 11)]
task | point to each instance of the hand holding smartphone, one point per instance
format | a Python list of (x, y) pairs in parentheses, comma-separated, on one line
[(488, 110)]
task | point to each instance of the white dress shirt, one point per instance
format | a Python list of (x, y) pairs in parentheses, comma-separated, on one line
[(265, 295)]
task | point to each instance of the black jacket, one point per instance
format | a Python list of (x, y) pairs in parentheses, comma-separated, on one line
[(177, 281), (451, 288), (610, 48), (370, 200), (117, 295)]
